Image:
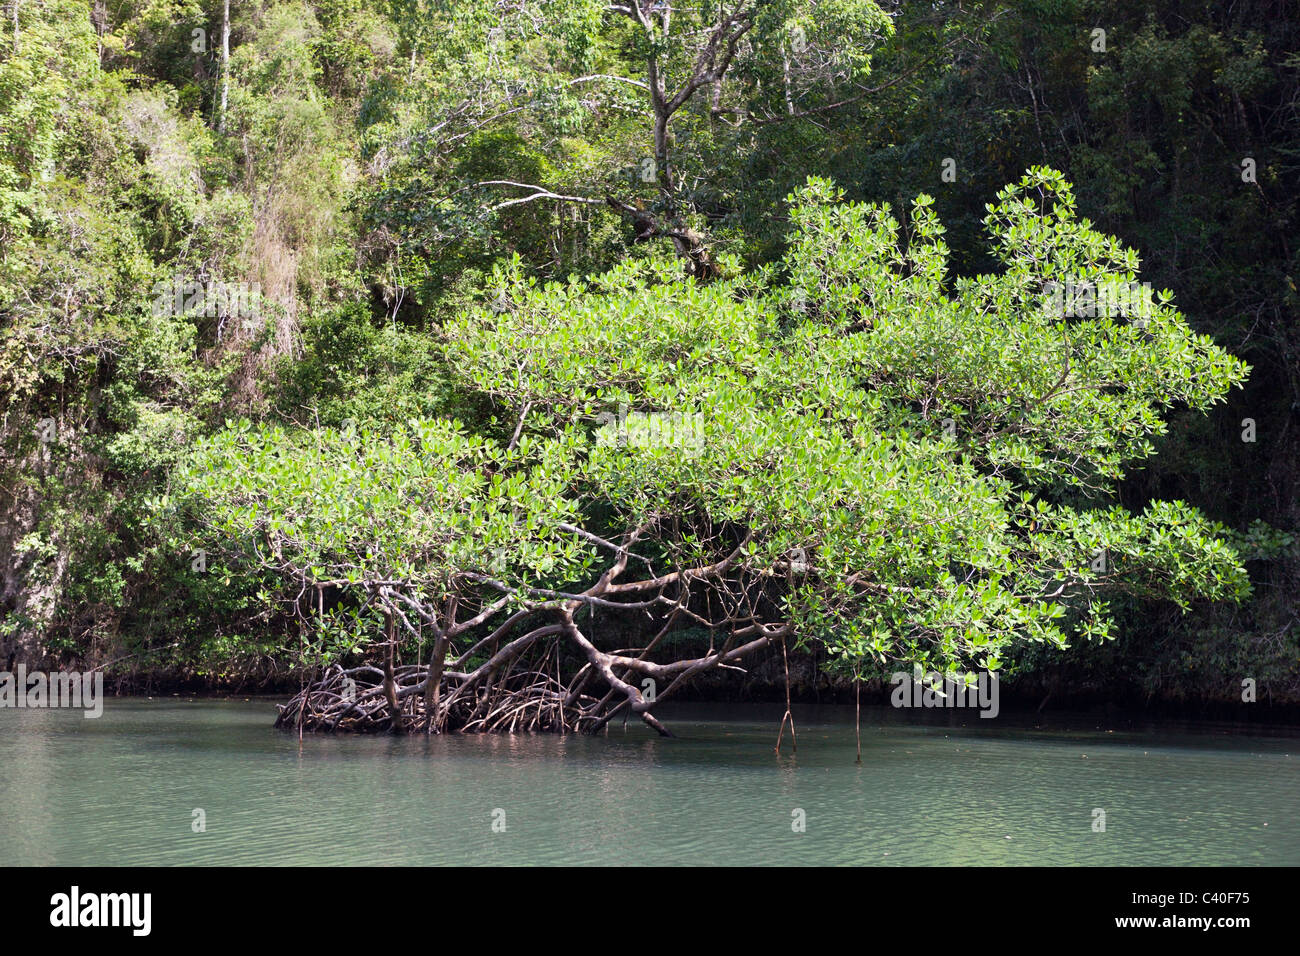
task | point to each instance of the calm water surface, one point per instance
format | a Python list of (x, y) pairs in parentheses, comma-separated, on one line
[(944, 790)]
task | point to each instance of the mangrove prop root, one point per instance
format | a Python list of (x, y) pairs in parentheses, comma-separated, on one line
[(552, 677), (357, 700), (515, 691)]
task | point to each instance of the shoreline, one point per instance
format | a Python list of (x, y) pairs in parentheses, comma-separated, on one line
[(1018, 706)]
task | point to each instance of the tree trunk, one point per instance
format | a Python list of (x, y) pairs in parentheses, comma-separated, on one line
[(700, 264), (390, 683), (225, 65), (433, 689)]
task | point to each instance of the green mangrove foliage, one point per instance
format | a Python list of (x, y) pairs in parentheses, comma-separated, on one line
[(844, 447)]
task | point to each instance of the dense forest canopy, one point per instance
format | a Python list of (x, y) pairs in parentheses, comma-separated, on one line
[(560, 345)]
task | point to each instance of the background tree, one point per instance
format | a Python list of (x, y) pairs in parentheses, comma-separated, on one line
[(623, 107)]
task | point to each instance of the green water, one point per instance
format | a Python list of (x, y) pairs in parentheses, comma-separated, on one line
[(122, 790)]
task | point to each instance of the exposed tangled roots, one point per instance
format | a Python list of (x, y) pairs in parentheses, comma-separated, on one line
[(551, 677), (356, 700)]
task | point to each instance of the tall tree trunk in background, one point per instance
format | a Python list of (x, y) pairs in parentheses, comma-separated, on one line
[(225, 64), (99, 19)]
